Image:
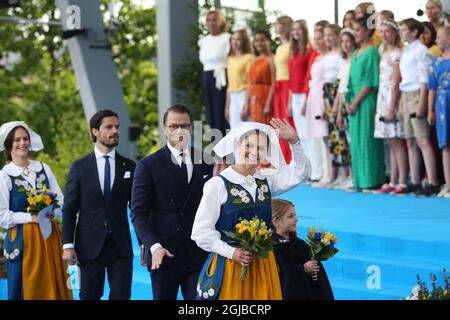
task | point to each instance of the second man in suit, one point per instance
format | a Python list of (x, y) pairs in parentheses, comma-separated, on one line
[(167, 189)]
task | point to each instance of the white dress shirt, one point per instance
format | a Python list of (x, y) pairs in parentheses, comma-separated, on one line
[(8, 218), (187, 159), (215, 195), (101, 174), (414, 65)]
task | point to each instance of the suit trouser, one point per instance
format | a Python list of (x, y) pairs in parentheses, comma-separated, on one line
[(167, 280), (118, 268)]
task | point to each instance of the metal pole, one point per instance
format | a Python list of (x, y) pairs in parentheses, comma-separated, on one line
[(336, 11), (92, 61), (217, 4)]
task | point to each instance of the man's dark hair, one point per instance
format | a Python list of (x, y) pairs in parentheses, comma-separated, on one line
[(177, 108), (10, 140), (96, 120)]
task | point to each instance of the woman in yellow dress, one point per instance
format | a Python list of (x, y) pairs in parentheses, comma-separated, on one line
[(35, 269), (244, 190)]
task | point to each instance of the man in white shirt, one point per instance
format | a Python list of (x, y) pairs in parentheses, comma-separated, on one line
[(95, 228), (167, 190), (414, 65)]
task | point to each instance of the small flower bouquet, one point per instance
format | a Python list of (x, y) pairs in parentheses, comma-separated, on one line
[(254, 236), (321, 244), (421, 291), (39, 200)]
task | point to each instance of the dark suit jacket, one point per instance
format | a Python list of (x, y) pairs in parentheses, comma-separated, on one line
[(163, 206), (83, 199)]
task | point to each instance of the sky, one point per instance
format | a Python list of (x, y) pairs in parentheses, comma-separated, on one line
[(313, 11)]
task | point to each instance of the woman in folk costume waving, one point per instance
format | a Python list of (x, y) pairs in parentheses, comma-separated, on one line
[(244, 190), (35, 269)]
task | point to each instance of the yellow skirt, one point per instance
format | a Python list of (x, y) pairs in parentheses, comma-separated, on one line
[(44, 274), (261, 283)]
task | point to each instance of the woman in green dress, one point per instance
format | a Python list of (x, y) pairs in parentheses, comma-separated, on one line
[(367, 152)]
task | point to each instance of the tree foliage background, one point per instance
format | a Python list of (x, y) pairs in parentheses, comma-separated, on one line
[(40, 86)]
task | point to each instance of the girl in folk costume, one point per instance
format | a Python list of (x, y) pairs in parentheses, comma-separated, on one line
[(35, 268), (243, 191)]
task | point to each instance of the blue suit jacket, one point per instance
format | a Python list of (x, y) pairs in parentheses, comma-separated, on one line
[(163, 206), (86, 212)]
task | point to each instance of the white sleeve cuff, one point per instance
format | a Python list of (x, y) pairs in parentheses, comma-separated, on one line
[(68, 246), (154, 247)]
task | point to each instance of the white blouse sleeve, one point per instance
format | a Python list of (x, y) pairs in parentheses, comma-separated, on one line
[(54, 187), (204, 232), (298, 171), (8, 218)]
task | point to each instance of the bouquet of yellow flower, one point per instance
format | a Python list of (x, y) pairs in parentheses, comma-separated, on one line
[(321, 244), (254, 236), (40, 199)]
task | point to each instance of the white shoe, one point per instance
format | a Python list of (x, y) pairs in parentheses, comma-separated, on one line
[(347, 184), (336, 183), (444, 191)]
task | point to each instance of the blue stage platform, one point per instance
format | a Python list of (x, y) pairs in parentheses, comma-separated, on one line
[(384, 242)]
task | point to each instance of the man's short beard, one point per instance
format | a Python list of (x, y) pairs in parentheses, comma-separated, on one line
[(109, 145)]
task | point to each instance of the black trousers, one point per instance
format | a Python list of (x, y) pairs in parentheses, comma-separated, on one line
[(167, 280), (118, 268), (214, 101)]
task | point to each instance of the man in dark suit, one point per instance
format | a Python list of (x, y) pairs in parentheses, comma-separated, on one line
[(167, 189), (96, 199)]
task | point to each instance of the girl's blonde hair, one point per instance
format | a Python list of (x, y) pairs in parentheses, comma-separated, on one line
[(280, 208), (438, 3), (286, 22), (394, 26), (293, 44), (335, 28), (221, 17), (246, 47)]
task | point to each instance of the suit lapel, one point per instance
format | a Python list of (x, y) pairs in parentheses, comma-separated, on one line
[(197, 176), (94, 174), (119, 173)]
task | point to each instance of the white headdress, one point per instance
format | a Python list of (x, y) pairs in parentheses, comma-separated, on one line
[(35, 139), (229, 144)]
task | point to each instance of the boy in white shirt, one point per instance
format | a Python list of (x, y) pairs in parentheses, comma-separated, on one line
[(414, 65)]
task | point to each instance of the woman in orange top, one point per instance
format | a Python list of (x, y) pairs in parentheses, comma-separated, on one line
[(261, 79)]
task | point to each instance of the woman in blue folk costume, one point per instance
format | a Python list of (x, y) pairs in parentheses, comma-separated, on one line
[(35, 269), (244, 190)]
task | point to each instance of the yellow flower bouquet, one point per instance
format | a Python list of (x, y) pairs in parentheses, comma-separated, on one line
[(254, 236), (321, 244), (40, 199)]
